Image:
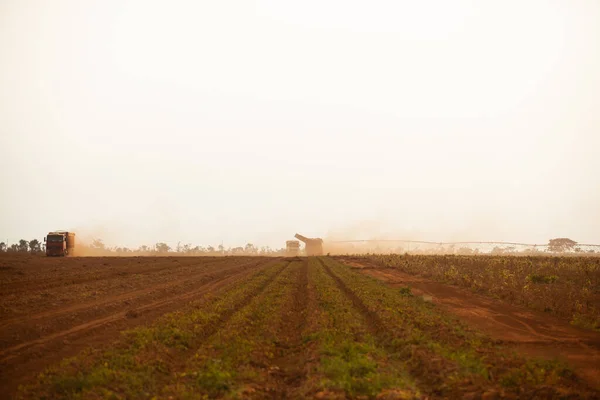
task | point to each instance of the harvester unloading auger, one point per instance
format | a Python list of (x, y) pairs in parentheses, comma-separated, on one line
[(314, 246)]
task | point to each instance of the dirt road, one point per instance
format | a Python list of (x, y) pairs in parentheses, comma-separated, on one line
[(527, 331)]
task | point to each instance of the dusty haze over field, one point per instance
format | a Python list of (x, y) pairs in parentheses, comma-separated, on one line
[(239, 121)]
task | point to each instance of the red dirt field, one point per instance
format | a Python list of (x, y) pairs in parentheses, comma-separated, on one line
[(258, 327), (52, 308), (527, 331)]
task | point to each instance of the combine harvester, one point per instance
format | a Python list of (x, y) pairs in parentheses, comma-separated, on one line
[(314, 246), (60, 243)]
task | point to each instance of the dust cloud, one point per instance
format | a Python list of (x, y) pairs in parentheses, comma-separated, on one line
[(200, 133)]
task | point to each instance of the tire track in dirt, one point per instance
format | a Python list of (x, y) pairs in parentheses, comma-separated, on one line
[(529, 325), (20, 363), (123, 297), (75, 277), (223, 277), (527, 331), (461, 301), (21, 306), (218, 280), (426, 368), (290, 370)]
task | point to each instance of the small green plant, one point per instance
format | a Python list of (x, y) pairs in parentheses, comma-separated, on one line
[(585, 321), (405, 291), (535, 278), (351, 361), (563, 286), (215, 378), (303, 329), (427, 339)]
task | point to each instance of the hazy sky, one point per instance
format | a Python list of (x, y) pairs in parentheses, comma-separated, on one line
[(201, 121)]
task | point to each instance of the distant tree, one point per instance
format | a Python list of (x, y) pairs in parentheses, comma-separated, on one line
[(162, 247), (221, 249), (465, 251), (23, 246), (34, 246), (561, 245), (13, 248), (196, 250), (98, 244), (237, 251), (265, 250), (210, 249), (2, 247), (534, 250), (497, 250), (250, 249)]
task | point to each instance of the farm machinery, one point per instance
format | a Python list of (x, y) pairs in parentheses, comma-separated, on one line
[(292, 248), (60, 243), (314, 246)]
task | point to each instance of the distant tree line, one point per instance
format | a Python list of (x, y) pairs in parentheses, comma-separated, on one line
[(99, 247), (563, 246), (24, 246), (34, 246)]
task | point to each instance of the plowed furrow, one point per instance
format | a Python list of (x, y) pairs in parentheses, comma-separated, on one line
[(223, 278), (374, 322), (292, 367), (226, 316), (122, 299), (18, 363), (75, 277)]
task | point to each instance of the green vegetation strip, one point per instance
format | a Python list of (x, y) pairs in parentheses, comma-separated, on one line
[(239, 360), (147, 358), (298, 329), (564, 286), (351, 362), (445, 357)]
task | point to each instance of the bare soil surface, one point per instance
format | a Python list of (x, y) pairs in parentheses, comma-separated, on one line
[(52, 308), (528, 332), (252, 327), (289, 370)]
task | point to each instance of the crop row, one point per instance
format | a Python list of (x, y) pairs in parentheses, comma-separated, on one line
[(445, 357), (306, 328), (147, 359), (568, 287), (350, 359), (238, 360)]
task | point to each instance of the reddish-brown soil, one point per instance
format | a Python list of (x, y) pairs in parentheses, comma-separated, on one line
[(51, 308), (529, 332), (289, 369)]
